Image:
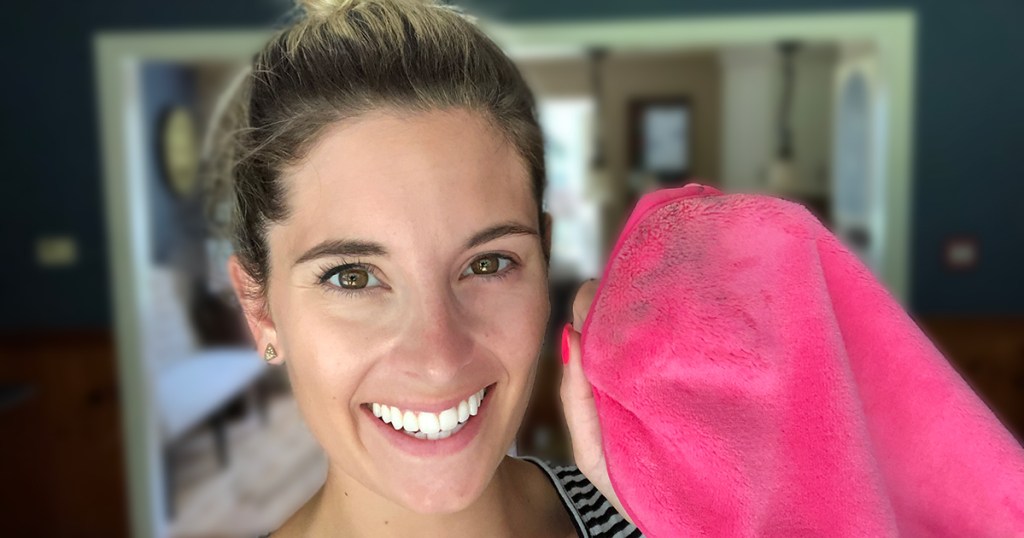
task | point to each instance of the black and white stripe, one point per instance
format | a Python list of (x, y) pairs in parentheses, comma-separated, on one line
[(593, 515)]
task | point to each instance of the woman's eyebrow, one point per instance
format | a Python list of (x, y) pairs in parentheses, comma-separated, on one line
[(343, 248), (499, 230), (354, 248)]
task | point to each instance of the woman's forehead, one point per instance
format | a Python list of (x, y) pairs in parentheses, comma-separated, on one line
[(425, 176)]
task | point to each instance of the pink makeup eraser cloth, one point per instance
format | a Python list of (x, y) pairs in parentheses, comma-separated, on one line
[(752, 378)]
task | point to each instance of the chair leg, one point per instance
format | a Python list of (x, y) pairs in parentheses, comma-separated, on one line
[(220, 439), (170, 481)]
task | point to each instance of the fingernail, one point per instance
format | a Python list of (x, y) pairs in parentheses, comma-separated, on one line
[(565, 344)]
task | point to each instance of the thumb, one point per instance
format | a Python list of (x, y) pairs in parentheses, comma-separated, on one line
[(584, 428), (580, 411), (576, 392), (579, 406)]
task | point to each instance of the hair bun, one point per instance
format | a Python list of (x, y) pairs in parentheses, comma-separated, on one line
[(319, 9)]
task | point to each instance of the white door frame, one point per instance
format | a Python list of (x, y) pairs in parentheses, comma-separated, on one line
[(892, 31), (119, 55)]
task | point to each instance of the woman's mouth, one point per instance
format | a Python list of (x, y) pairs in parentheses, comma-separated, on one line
[(428, 425)]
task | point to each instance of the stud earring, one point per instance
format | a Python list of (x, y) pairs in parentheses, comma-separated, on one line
[(270, 353)]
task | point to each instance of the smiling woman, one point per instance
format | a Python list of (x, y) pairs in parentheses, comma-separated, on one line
[(391, 251)]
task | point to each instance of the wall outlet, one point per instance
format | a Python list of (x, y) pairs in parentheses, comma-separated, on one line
[(56, 251), (961, 253)]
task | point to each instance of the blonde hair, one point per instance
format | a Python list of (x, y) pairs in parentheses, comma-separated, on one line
[(343, 58)]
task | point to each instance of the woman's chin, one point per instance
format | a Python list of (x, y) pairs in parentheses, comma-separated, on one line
[(436, 495)]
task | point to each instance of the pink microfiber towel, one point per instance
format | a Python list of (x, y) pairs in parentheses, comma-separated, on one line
[(752, 378)]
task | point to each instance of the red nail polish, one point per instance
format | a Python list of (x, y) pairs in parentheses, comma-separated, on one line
[(565, 344)]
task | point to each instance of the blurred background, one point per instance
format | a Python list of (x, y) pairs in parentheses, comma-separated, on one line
[(131, 402)]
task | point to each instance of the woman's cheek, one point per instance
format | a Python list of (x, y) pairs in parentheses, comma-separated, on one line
[(515, 320), (328, 355)]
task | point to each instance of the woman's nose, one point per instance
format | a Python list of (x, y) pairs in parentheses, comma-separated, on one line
[(439, 343)]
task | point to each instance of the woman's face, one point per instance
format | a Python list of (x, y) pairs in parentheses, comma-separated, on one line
[(447, 295)]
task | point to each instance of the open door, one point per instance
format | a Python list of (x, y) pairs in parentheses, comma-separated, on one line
[(858, 175)]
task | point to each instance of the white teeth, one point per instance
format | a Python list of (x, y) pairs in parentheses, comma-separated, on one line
[(429, 423), (436, 436), (411, 424), (449, 419), (434, 426)]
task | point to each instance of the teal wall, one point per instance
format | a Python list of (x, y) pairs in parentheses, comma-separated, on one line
[(968, 171)]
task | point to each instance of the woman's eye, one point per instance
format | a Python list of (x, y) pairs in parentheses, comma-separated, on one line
[(488, 265), (353, 278)]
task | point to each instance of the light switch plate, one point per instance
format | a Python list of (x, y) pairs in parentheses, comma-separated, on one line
[(56, 251)]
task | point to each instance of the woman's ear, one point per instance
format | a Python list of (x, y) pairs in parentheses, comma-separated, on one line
[(255, 309), (546, 240)]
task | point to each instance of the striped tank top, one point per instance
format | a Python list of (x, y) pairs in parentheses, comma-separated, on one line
[(591, 513)]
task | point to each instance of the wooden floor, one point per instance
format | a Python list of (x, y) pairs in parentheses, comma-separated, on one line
[(989, 354), (273, 469)]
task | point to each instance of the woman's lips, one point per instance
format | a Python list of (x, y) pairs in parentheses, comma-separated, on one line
[(433, 424), (457, 439)]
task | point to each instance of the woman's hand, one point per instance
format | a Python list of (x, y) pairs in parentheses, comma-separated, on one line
[(578, 402)]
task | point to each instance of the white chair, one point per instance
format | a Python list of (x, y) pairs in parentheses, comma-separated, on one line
[(192, 384)]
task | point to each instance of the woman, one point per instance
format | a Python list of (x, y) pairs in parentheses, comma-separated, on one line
[(392, 252)]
